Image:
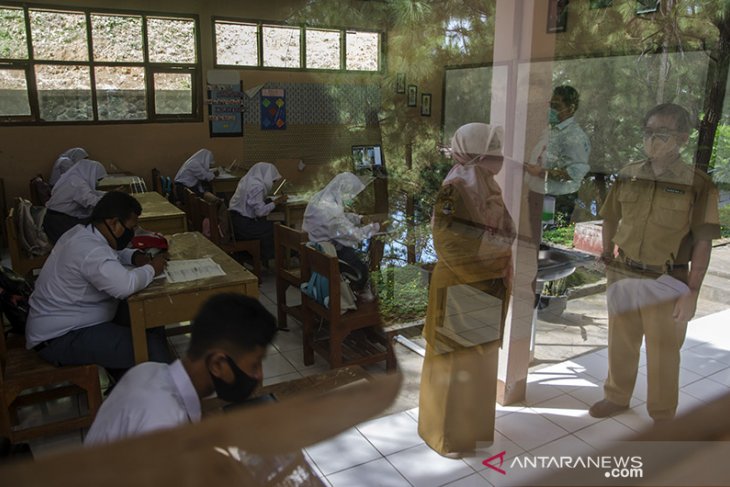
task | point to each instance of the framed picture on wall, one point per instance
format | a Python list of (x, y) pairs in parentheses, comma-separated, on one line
[(557, 20), (647, 6), (412, 94), (400, 82), (426, 104)]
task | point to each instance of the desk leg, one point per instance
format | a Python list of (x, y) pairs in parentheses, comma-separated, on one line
[(139, 332)]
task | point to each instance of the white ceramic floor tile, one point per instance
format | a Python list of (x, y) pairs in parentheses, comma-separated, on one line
[(722, 377), (508, 409), (697, 363), (538, 392), (376, 473), (603, 432), (687, 403), (423, 467), (473, 480), (55, 444), (344, 451), (636, 418), (276, 364), (391, 434), (521, 428), (413, 413), (706, 390), (566, 411), (567, 446), (513, 477), (289, 340), (282, 378), (296, 358), (316, 469), (595, 365), (712, 352), (590, 393), (484, 450)]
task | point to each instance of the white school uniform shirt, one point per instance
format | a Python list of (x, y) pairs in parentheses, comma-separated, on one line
[(196, 169), (65, 161), (75, 192), (81, 284), (149, 397), (325, 218), (252, 190), (564, 146)]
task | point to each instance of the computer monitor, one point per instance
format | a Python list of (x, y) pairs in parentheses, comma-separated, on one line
[(366, 157)]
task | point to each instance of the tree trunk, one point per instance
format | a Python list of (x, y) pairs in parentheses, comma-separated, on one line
[(717, 76)]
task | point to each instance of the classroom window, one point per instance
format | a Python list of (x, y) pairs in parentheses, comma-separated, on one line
[(323, 49), (236, 44), (13, 93), (89, 66), (254, 44)]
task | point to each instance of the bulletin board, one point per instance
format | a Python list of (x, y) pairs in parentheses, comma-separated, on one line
[(225, 104), (273, 109)]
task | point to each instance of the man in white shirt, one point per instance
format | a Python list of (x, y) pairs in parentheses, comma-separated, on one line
[(559, 161), (74, 304), (227, 346)]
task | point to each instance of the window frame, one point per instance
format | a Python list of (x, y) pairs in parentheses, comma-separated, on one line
[(150, 68), (302, 46)]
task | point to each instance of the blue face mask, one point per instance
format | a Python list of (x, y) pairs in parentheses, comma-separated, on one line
[(553, 116)]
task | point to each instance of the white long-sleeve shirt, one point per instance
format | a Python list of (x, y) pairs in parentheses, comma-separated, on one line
[(81, 284), (75, 192), (196, 169), (249, 199), (151, 396)]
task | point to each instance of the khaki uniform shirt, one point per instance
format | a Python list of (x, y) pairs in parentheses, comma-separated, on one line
[(660, 217)]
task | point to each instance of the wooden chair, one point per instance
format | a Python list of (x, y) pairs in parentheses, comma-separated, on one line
[(286, 241), (355, 337), (162, 184), (192, 210), (227, 242), (19, 259), (23, 370)]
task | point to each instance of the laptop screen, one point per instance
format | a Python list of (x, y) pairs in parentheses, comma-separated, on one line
[(367, 157)]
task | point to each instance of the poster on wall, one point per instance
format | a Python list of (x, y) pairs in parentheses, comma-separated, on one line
[(273, 109), (225, 104)]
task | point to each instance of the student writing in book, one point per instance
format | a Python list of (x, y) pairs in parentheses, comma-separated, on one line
[(251, 204), (195, 174), (73, 198), (227, 345), (73, 315), (325, 220)]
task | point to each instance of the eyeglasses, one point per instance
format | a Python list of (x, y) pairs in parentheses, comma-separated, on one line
[(663, 135)]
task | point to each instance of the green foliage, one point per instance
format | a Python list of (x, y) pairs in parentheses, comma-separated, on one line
[(402, 293), (725, 221)]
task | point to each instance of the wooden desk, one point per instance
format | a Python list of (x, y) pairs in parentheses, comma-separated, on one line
[(226, 184), (292, 213), (162, 303), (159, 215), (128, 184)]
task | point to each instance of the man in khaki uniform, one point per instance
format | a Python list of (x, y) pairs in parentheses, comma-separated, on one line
[(661, 214)]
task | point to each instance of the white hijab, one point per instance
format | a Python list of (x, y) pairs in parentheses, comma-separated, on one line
[(65, 161), (75, 193), (261, 176), (325, 218)]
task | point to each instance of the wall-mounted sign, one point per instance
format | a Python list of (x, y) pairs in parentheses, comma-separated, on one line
[(225, 104), (273, 109)]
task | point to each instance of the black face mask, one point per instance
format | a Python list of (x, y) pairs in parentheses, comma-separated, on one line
[(242, 387), (123, 240)]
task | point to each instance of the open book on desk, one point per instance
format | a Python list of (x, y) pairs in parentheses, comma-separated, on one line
[(191, 270)]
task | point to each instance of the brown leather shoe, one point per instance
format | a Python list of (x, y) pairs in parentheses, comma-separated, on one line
[(605, 408)]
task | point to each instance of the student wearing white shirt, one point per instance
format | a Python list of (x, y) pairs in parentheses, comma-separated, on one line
[(74, 304), (65, 162), (195, 174), (227, 345), (73, 198), (250, 205)]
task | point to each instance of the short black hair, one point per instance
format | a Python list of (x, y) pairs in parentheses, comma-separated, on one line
[(568, 94), (231, 321), (678, 113), (116, 204)]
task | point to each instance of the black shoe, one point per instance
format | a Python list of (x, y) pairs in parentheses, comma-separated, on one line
[(605, 408)]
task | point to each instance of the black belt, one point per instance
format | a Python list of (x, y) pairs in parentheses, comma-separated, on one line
[(660, 269)]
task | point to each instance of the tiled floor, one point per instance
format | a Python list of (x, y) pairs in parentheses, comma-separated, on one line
[(388, 451)]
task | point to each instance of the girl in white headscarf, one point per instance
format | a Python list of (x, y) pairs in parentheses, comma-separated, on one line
[(472, 234), (195, 174), (325, 220), (73, 198), (250, 205), (65, 161)]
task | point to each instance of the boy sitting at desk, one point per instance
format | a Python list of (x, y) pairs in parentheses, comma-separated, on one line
[(227, 345), (73, 316)]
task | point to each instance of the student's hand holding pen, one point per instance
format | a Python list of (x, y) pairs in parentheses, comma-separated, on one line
[(159, 262), (281, 199)]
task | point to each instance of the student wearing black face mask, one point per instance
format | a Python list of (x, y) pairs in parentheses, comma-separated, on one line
[(227, 346), (73, 310)]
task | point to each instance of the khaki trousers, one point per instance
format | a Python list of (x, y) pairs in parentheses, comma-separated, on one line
[(636, 313)]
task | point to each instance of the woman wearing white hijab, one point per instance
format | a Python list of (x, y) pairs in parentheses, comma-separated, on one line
[(195, 174), (65, 161), (73, 198), (325, 220), (250, 205), (472, 234)]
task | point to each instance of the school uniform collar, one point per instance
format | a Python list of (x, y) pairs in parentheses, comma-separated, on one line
[(187, 391)]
